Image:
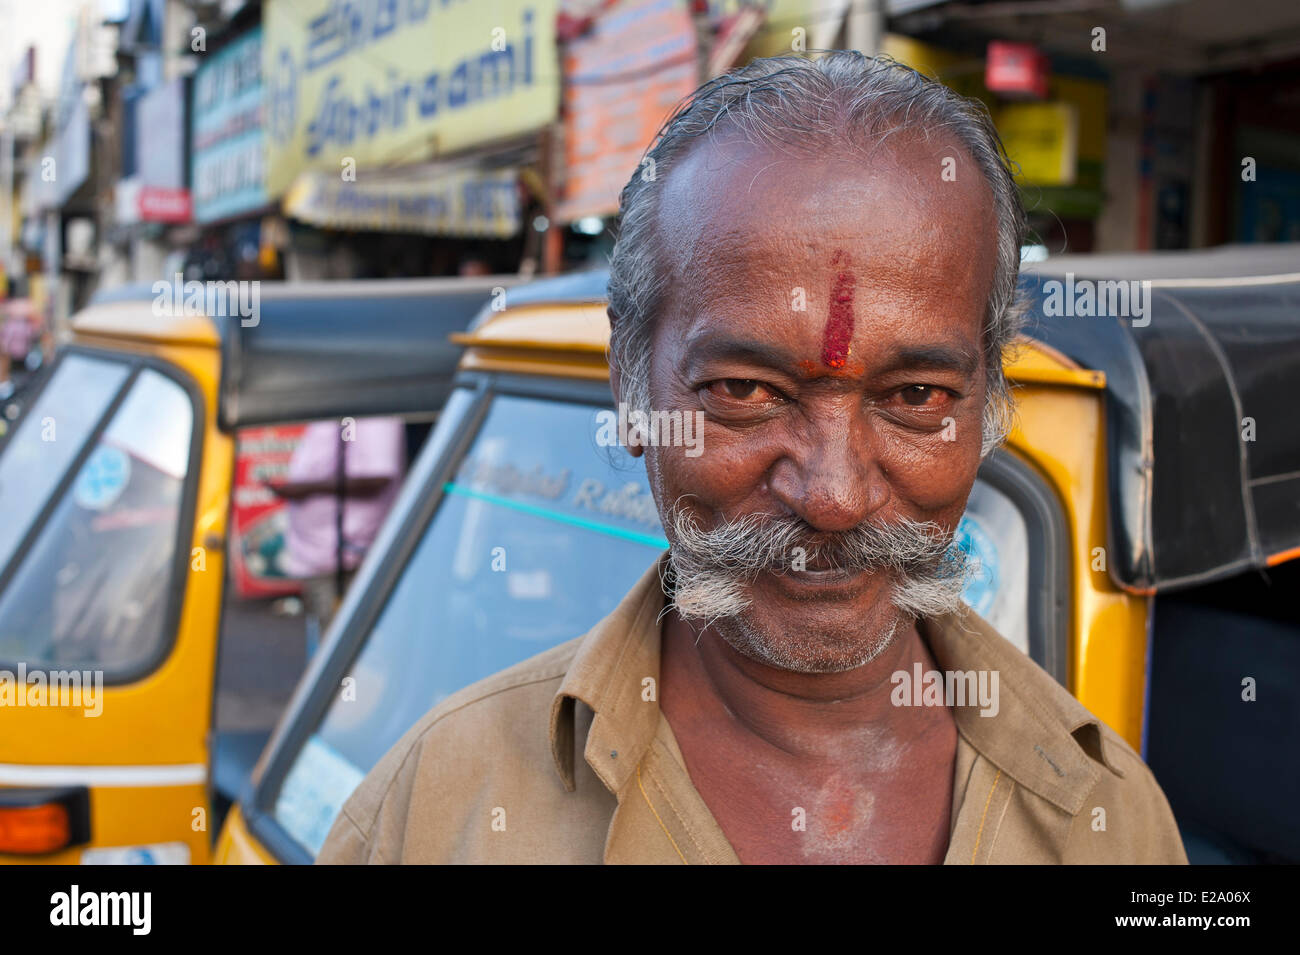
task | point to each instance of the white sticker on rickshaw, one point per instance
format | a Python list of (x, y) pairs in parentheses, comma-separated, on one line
[(163, 853)]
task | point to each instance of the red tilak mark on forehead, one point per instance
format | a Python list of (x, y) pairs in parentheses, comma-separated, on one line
[(838, 335), (850, 369)]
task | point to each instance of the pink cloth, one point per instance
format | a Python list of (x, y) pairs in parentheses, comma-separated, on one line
[(377, 449), (17, 337)]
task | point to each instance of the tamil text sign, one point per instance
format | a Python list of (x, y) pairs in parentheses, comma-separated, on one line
[(228, 152), (382, 83)]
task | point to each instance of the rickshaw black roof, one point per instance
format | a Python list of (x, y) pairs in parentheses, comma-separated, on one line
[(570, 289), (1220, 262), (1204, 444), (324, 349), (329, 349)]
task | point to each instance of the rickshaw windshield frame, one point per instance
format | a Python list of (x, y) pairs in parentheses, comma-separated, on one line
[(135, 364)]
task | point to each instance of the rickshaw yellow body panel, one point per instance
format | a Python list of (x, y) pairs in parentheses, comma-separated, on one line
[(145, 759), (1060, 431), (236, 846)]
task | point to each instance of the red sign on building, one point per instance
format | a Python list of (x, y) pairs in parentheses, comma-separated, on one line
[(1016, 70), (258, 517), (164, 205), (621, 81)]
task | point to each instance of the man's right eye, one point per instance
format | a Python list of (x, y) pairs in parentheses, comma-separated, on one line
[(741, 389)]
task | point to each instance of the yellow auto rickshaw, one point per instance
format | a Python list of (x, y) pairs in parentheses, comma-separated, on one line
[(1121, 531), (115, 490)]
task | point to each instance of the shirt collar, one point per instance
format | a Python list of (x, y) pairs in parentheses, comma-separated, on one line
[(1041, 736), (616, 673)]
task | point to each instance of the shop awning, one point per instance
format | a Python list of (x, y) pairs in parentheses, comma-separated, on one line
[(430, 199)]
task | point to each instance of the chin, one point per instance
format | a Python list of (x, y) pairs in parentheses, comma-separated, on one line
[(804, 648)]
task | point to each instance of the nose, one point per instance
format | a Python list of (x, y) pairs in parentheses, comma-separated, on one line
[(832, 478)]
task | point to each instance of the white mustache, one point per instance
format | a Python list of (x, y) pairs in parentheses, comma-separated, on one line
[(714, 567)]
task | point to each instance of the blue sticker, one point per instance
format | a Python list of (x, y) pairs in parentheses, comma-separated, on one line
[(982, 588), (102, 479)]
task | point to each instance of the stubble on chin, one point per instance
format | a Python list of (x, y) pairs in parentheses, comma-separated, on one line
[(806, 651)]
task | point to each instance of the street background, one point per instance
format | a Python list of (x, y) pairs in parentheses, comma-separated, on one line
[(325, 140)]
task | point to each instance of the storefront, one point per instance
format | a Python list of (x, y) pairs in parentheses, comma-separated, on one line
[(1180, 115), (395, 151)]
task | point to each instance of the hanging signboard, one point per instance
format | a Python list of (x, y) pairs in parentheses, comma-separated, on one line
[(228, 168), (160, 148), (622, 79), (379, 84), (468, 202)]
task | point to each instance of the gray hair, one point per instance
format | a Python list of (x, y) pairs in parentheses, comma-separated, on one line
[(793, 101)]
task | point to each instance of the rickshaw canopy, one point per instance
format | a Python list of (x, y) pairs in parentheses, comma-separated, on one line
[(1204, 447)]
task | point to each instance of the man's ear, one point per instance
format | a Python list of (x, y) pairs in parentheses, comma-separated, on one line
[(616, 388)]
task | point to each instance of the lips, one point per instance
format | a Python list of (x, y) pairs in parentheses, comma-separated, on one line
[(824, 574), (824, 583), (817, 564)]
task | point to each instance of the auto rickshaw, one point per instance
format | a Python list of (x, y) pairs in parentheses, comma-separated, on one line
[(115, 491), (1126, 537)]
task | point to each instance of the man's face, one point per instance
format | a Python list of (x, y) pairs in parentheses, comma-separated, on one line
[(826, 317)]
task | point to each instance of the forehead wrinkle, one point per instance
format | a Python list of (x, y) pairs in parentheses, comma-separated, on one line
[(890, 298), (742, 310), (705, 251), (730, 279), (912, 241)]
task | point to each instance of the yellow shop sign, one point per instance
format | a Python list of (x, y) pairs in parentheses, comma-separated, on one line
[(391, 82)]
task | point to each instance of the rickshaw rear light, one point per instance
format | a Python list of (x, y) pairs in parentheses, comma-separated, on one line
[(42, 821), (34, 830)]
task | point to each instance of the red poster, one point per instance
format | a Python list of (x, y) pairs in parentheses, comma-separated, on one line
[(258, 518)]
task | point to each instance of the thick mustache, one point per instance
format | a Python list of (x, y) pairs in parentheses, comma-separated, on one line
[(756, 543)]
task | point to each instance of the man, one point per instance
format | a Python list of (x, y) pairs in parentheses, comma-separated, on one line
[(824, 263), (17, 333)]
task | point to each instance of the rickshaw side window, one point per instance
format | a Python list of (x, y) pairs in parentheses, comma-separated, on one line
[(48, 439), (995, 533), (92, 589)]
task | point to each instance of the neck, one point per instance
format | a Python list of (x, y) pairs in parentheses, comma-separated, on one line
[(805, 715)]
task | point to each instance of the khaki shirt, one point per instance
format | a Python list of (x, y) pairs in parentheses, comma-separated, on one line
[(490, 775)]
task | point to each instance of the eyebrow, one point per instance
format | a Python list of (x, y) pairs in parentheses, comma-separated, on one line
[(933, 358), (704, 348), (714, 348)]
